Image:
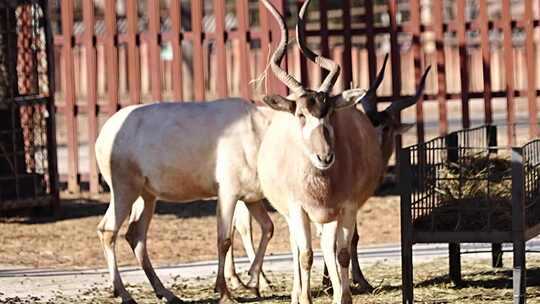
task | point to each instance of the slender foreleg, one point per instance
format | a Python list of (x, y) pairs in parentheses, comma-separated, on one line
[(357, 276), (300, 227), (261, 216), (328, 246), (345, 231)]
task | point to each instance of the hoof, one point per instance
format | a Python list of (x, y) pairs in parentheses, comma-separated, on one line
[(264, 282), (234, 283), (130, 301), (266, 286), (363, 288), (254, 291), (175, 300), (226, 299)]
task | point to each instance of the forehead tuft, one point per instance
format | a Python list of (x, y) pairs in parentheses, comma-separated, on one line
[(317, 104)]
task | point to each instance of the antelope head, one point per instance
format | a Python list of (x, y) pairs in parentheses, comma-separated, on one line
[(312, 109), (386, 122)]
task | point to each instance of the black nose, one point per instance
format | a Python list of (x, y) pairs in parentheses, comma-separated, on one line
[(327, 159)]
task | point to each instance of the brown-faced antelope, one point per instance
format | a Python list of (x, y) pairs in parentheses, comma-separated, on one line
[(181, 152), (329, 163), (387, 126)]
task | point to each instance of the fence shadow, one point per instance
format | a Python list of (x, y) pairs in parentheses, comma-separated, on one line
[(77, 209), (503, 280)]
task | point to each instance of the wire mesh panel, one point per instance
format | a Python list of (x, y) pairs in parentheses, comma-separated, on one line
[(27, 145), (531, 190), (463, 182)]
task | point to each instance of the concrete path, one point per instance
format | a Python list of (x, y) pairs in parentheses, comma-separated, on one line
[(45, 283)]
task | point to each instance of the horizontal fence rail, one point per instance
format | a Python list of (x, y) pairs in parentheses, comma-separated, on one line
[(110, 54)]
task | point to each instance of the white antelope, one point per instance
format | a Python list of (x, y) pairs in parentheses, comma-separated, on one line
[(329, 163), (181, 152)]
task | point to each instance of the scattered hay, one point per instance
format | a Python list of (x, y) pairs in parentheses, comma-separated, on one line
[(481, 284)]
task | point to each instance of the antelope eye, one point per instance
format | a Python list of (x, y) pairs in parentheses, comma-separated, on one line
[(302, 118)]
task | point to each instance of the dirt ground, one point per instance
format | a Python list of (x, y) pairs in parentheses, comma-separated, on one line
[(179, 233), (481, 284)]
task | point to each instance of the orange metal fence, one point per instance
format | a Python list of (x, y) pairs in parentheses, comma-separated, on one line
[(199, 50)]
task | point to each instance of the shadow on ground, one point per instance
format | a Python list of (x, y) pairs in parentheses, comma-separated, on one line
[(78, 208), (75, 209), (490, 279)]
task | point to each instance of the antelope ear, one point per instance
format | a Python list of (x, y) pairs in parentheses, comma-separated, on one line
[(348, 98), (404, 128), (280, 103)]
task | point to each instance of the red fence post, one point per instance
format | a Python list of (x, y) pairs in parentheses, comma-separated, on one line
[(91, 98), (154, 29), (370, 41), (417, 55), (134, 56), (222, 80), (438, 27), (274, 85), (111, 52), (509, 69), (486, 60), (242, 13), (69, 95), (463, 63), (531, 69), (347, 41), (176, 43), (197, 39)]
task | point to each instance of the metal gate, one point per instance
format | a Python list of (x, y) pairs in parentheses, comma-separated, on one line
[(28, 174)]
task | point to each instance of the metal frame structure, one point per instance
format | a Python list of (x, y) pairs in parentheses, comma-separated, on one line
[(419, 169), (28, 166)]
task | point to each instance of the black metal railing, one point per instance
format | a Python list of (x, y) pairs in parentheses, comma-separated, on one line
[(28, 174)]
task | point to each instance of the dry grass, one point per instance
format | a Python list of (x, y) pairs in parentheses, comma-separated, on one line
[(481, 284), (474, 194)]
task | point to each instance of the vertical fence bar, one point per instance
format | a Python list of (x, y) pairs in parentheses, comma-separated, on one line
[(486, 60), (438, 25), (417, 55), (198, 58), (463, 63), (370, 41), (69, 91), (509, 69), (304, 72), (221, 79), (276, 86), (242, 13), (347, 41), (405, 184), (111, 52), (52, 153), (531, 69), (176, 43), (154, 42), (134, 56), (323, 20), (396, 63), (265, 34), (91, 100)]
